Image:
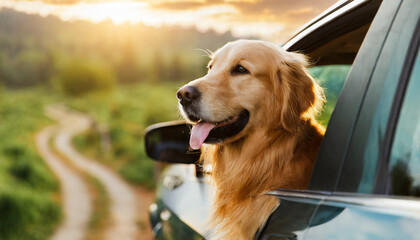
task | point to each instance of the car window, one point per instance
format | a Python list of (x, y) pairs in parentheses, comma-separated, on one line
[(331, 78), (404, 166)]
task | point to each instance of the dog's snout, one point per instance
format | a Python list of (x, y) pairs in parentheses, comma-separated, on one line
[(187, 95)]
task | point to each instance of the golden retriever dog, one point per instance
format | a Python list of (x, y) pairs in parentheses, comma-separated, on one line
[(254, 110)]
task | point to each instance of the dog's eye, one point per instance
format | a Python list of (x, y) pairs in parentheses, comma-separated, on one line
[(239, 69)]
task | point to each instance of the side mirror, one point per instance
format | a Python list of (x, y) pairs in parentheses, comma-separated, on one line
[(169, 142)]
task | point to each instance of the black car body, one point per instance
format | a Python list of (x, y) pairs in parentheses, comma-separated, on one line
[(366, 180)]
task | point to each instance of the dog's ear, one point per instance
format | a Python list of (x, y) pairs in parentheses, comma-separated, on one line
[(301, 96)]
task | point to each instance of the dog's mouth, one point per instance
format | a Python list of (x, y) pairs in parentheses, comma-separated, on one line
[(207, 132)]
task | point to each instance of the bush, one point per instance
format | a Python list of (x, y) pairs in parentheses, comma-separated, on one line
[(25, 216), (81, 76), (139, 170)]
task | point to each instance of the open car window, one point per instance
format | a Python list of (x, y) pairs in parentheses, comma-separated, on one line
[(332, 48)]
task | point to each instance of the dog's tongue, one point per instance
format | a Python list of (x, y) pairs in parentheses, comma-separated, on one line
[(199, 133)]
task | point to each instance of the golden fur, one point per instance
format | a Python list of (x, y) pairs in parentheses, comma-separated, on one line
[(278, 146)]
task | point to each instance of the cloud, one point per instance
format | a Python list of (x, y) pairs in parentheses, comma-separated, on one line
[(289, 14), (246, 6), (184, 5)]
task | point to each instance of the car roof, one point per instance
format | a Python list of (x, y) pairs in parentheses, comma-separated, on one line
[(336, 10), (335, 36)]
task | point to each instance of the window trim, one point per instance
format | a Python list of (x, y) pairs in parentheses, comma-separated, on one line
[(384, 158), (345, 18), (336, 11), (397, 205)]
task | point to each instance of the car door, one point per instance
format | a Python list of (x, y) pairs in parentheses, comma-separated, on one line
[(303, 210), (383, 157)]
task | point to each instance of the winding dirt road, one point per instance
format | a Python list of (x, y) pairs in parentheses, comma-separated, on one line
[(76, 201)]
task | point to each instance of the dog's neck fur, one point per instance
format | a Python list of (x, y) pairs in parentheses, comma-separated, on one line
[(241, 183)]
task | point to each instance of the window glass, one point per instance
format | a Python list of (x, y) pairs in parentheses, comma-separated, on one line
[(361, 170), (331, 78), (404, 167)]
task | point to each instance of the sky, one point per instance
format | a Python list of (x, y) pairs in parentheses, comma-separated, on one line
[(274, 20)]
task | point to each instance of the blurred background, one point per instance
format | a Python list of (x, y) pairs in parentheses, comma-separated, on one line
[(102, 71)]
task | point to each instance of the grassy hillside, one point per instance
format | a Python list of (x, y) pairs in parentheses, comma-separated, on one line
[(29, 192), (28, 189)]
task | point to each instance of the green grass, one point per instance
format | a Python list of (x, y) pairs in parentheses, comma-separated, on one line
[(100, 214), (127, 111), (28, 189)]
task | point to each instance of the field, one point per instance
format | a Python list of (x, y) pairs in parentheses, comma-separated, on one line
[(29, 192), (29, 199)]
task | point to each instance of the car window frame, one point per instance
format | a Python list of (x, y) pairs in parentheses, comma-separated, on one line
[(311, 36), (340, 128)]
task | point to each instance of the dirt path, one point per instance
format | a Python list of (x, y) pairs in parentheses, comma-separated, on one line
[(76, 200), (123, 206)]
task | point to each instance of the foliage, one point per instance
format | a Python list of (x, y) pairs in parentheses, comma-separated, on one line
[(331, 78), (80, 76), (27, 187)]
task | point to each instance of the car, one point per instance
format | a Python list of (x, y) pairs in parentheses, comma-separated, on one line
[(366, 179)]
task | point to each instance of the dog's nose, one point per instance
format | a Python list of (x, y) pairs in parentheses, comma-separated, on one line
[(187, 94)]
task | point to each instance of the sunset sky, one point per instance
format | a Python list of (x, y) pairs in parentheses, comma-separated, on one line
[(274, 20)]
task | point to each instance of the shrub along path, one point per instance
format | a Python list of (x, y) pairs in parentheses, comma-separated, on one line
[(123, 202)]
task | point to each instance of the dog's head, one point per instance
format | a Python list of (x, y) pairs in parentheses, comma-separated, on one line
[(249, 85)]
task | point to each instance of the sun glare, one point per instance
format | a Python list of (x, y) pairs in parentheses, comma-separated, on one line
[(117, 12), (218, 17)]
